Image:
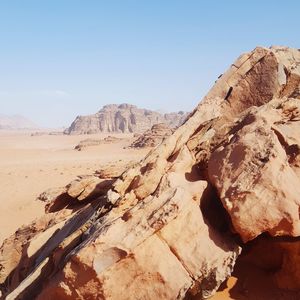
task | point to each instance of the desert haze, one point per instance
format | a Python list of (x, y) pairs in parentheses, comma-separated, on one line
[(16, 122)]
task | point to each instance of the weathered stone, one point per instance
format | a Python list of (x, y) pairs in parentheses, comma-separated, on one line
[(279, 257), (96, 142), (256, 171), (152, 137), (123, 118), (89, 187)]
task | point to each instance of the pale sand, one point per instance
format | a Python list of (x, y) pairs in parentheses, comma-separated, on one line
[(31, 164)]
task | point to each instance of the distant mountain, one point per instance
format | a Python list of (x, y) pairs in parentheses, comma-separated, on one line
[(123, 118), (16, 122)]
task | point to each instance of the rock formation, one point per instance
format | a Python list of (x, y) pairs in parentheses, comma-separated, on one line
[(173, 225), (95, 142), (123, 118), (153, 136)]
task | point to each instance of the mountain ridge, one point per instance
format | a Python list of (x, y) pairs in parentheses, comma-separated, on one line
[(123, 118)]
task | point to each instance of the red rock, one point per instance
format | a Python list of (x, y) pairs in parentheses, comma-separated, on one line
[(160, 231)]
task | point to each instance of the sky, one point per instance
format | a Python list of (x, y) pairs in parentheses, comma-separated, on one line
[(63, 58)]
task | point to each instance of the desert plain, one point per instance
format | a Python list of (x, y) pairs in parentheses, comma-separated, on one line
[(31, 164)]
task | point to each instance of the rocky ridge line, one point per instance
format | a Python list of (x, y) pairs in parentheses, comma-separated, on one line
[(123, 118)]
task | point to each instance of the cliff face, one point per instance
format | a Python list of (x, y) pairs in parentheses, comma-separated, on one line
[(173, 225), (123, 118)]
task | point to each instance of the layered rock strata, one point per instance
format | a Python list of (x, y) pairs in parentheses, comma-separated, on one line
[(153, 136), (123, 118)]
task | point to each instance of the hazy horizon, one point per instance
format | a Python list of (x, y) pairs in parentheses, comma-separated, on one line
[(60, 59)]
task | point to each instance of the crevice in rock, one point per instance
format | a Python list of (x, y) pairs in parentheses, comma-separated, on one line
[(215, 215), (228, 93), (255, 274), (48, 251), (292, 151), (173, 251)]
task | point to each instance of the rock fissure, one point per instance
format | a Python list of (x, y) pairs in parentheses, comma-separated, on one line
[(175, 254)]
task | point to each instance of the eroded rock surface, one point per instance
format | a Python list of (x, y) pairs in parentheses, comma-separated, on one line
[(256, 170), (152, 137), (279, 257), (124, 118), (172, 225), (96, 142)]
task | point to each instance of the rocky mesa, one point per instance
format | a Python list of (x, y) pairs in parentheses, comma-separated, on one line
[(123, 118), (174, 225)]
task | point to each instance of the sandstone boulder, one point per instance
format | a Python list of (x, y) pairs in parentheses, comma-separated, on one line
[(114, 169), (256, 170)]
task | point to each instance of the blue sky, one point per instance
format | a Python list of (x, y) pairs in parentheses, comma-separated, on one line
[(62, 58)]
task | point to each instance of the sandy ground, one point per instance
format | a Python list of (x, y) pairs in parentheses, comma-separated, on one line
[(31, 164)]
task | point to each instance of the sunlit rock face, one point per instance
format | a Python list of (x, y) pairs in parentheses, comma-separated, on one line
[(173, 225), (153, 136), (123, 118)]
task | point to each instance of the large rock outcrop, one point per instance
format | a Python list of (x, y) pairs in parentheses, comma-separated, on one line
[(257, 170), (153, 136), (123, 118), (86, 143), (173, 225)]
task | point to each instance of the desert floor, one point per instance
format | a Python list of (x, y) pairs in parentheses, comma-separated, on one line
[(31, 164)]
